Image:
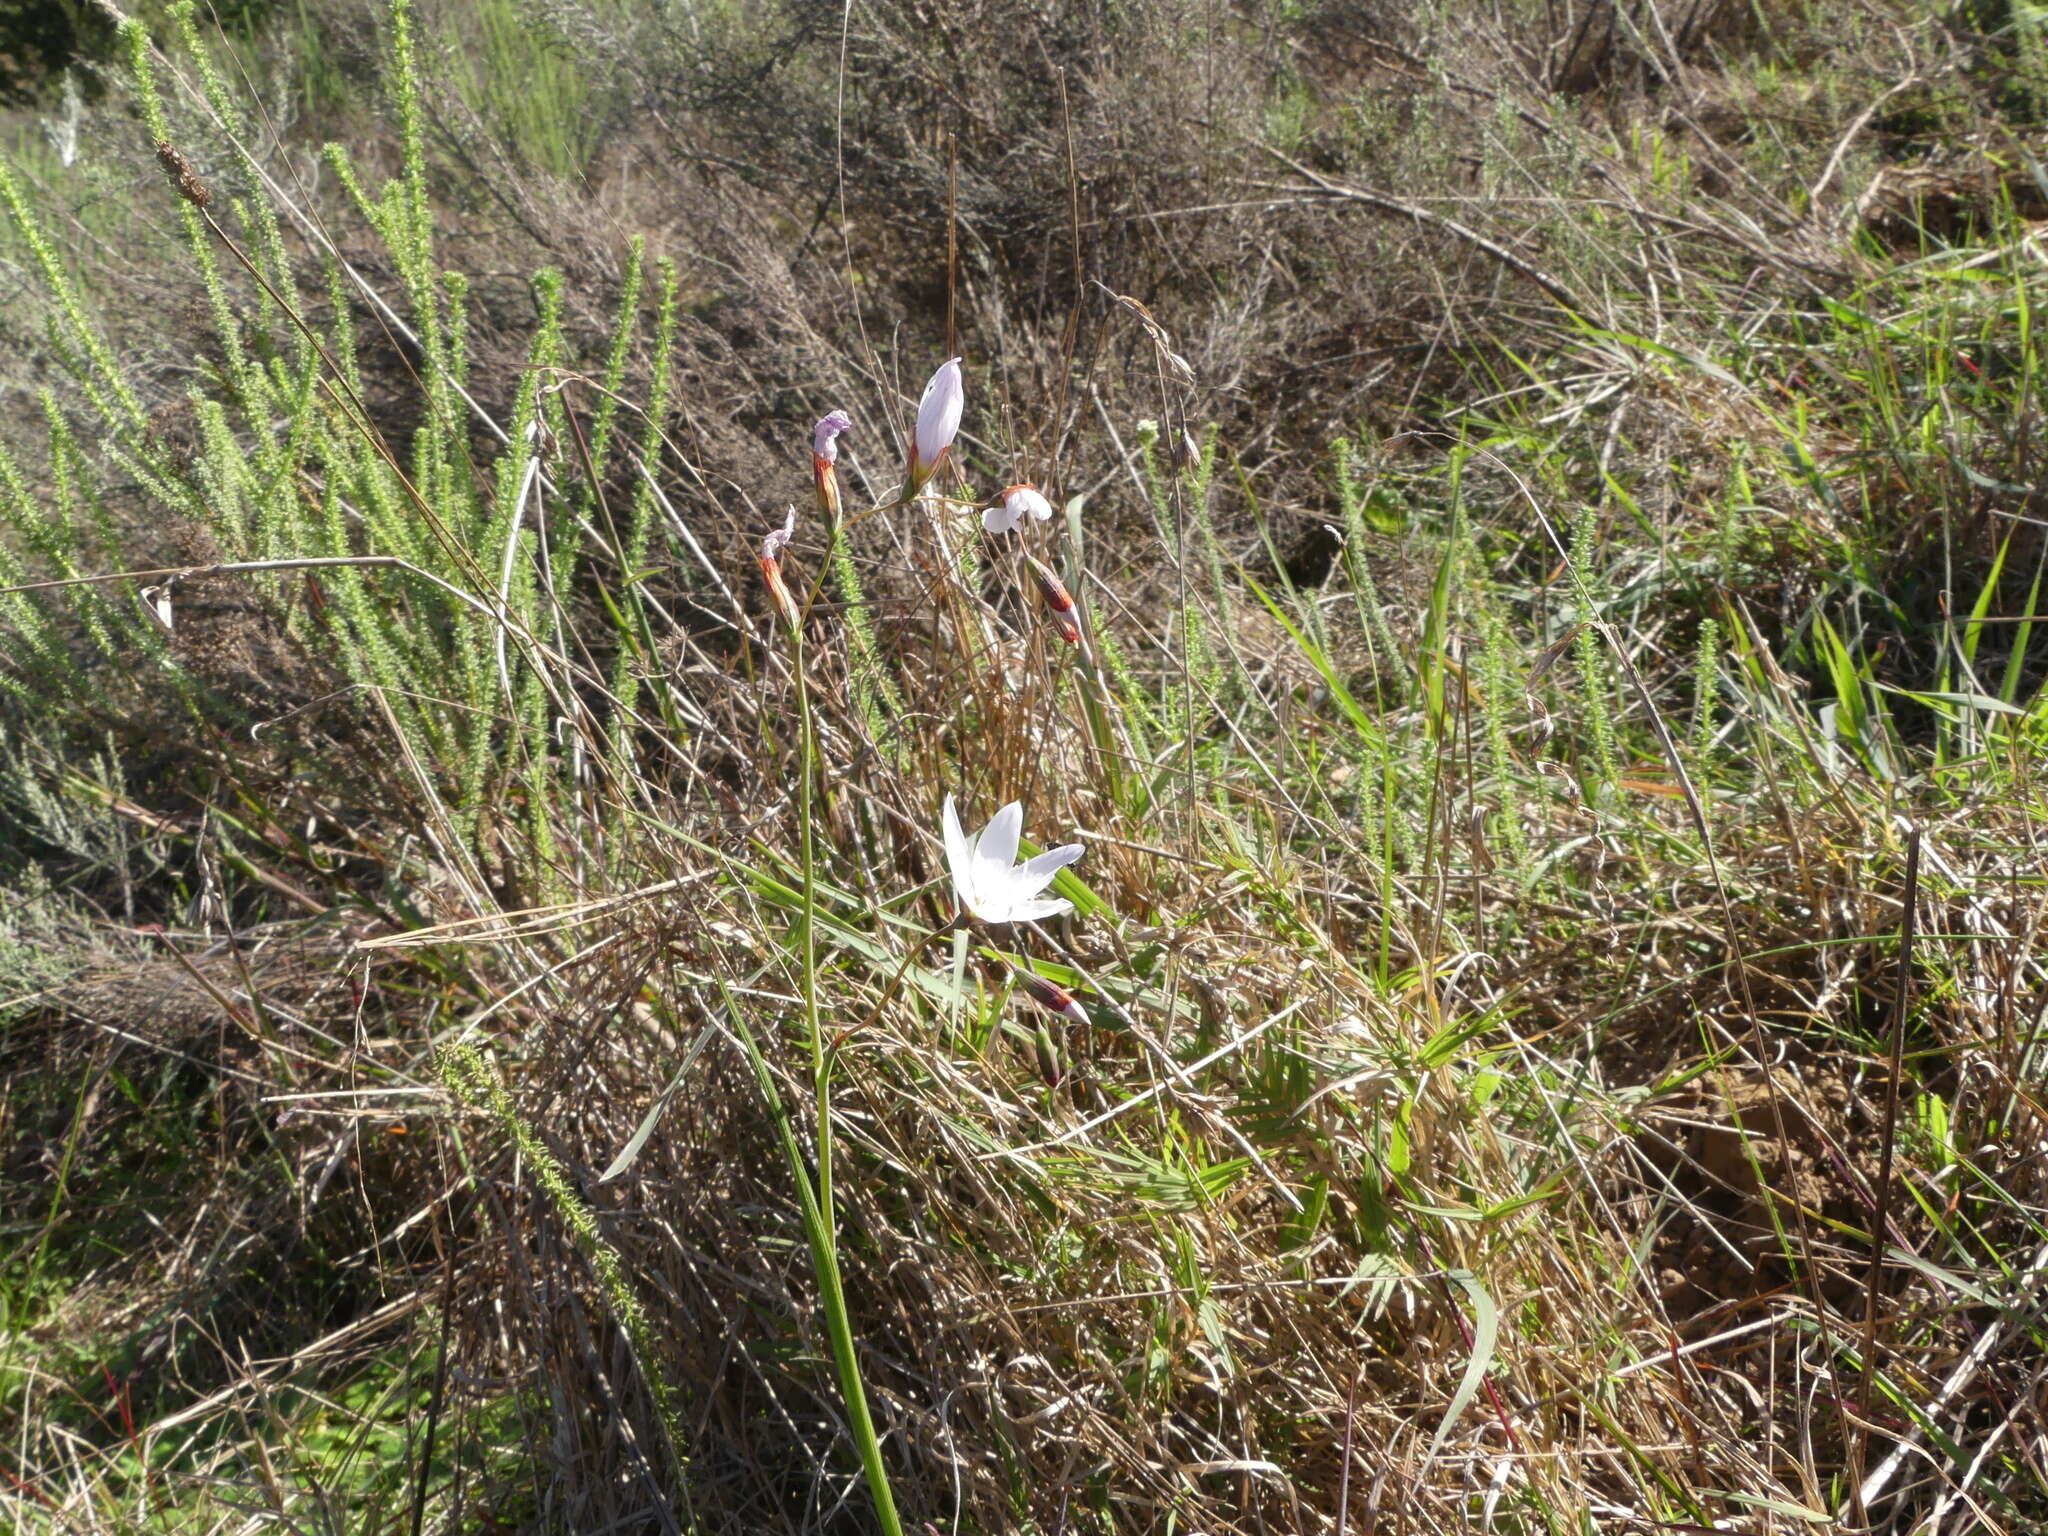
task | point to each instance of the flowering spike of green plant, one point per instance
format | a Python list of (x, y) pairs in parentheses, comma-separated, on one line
[(415, 233), (626, 683), (234, 354), (1706, 692), (605, 415), (105, 383), (1502, 686), (875, 697), (1594, 683)]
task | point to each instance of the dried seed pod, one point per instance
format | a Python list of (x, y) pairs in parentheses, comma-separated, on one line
[(181, 174)]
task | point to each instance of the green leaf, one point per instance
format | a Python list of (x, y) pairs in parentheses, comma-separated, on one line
[(1775, 1506), (1436, 628), (647, 1123), (1693, 360), (1485, 1331), (1933, 1117), (2015, 664), (1962, 700), (1973, 632), (1300, 1228), (1351, 707), (1516, 1202)]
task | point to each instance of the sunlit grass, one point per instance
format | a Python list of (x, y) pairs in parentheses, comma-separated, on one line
[(516, 1003)]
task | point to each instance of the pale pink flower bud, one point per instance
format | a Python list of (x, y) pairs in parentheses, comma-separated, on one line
[(771, 568), (824, 444), (938, 421), (1013, 506)]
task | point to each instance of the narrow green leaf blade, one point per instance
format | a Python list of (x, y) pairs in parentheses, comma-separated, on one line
[(1485, 1331), (648, 1121)]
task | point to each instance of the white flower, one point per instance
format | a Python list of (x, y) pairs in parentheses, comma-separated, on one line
[(1012, 506), (987, 877), (938, 421)]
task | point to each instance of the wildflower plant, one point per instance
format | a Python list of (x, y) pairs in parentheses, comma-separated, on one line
[(1285, 1084)]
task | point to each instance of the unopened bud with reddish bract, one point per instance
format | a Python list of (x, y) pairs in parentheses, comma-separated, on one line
[(824, 461), (771, 568), (1065, 617), (1052, 998), (778, 594), (1052, 1071)]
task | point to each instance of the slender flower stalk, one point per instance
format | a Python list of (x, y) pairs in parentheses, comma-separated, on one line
[(821, 1219), (938, 423)]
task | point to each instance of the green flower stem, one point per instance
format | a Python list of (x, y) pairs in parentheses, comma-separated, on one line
[(820, 1218)]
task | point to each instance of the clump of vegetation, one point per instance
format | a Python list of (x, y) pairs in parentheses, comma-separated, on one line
[(1506, 546)]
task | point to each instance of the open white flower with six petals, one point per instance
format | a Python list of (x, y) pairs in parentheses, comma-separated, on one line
[(987, 878)]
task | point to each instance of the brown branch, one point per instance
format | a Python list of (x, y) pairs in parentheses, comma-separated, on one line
[(1341, 191)]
